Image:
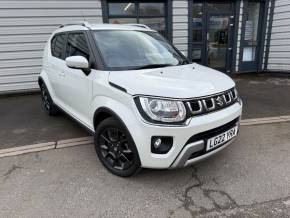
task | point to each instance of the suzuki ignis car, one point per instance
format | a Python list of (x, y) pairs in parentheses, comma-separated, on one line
[(146, 105)]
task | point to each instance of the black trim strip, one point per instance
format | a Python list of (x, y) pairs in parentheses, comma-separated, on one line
[(118, 87)]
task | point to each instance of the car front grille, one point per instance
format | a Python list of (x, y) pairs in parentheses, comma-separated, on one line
[(204, 105)]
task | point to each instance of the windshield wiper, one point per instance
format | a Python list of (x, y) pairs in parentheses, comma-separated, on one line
[(153, 66)]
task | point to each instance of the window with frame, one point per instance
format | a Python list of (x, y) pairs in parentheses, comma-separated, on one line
[(57, 46), (250, 38), (77, 45), (150, 13)]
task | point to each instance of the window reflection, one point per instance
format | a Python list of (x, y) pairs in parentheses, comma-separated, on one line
[(196, 55), (152, 9), (154, 23), (251, 31), (122, 9), (218, 41), (122, 20), (148, 13), (219, 7), (197, 22)]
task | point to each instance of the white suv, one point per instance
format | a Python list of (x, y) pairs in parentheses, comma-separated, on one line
[(146, 105)]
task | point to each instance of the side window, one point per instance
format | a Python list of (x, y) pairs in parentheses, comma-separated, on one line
[(77, 46), (57, 46)]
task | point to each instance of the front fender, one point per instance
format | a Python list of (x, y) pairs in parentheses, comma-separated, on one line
[(123, 110)]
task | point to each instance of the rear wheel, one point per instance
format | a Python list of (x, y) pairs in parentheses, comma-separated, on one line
[(116, 148), (47, 103)]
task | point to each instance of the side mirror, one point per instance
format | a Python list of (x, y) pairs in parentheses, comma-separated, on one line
[(78, 62)]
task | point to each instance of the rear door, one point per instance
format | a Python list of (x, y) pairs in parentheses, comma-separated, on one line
[(56, 65)]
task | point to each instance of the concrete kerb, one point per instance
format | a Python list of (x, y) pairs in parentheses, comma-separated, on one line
[(266, 120)]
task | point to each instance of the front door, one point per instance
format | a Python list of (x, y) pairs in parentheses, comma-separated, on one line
[(76, 86)]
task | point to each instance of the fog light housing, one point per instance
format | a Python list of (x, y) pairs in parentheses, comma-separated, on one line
[(161, 144)]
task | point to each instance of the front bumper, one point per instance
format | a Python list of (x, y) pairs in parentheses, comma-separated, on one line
[(196, 151), (185, 143)]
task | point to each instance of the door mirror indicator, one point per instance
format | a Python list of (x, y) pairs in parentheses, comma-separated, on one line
[(78, 62)]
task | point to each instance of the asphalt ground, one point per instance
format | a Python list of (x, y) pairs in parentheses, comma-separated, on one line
[(23, 121), (264, 95), (250, 178)]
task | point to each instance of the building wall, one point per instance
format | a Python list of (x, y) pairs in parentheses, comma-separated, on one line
[(180, 25), (279, 52), (25, 25)]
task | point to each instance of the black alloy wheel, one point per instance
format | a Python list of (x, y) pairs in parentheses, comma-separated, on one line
[(116, 149)]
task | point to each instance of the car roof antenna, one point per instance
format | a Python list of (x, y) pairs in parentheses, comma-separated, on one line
[(83, 16)]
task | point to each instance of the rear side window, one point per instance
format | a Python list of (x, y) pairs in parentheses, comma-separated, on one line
[(57, 46), (77, 46)]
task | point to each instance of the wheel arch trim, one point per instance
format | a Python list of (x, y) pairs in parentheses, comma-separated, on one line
[(109, 111)]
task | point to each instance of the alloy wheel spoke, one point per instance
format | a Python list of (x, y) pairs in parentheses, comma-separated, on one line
[(112, 134), (112, 155), (126, 149), (120, 165), (123, 140), (122, 156), (104, 147), (123, 165), (106, 139)]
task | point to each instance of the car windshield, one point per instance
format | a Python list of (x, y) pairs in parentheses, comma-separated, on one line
[(132, 50)]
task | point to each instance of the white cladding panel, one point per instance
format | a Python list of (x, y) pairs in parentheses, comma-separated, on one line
[(180, 24), (25, 25), (279, 52)]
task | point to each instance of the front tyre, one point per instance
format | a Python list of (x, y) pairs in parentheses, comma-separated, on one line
[(116, 148)]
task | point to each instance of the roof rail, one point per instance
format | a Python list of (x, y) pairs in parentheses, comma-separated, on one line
[(138, 25), (80, 23)]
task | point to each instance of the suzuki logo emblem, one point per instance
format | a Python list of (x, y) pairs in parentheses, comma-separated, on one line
[(219, 101)]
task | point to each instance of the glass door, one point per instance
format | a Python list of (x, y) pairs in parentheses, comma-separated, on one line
[(250, 37), (212, 29), (219, 35), (218, 41)]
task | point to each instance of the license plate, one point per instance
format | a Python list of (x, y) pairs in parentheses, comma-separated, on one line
[(221, 138)]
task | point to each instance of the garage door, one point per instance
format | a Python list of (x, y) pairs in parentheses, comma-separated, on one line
[(25, 25)]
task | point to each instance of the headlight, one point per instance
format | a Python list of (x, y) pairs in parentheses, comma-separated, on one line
[(162, 110)]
